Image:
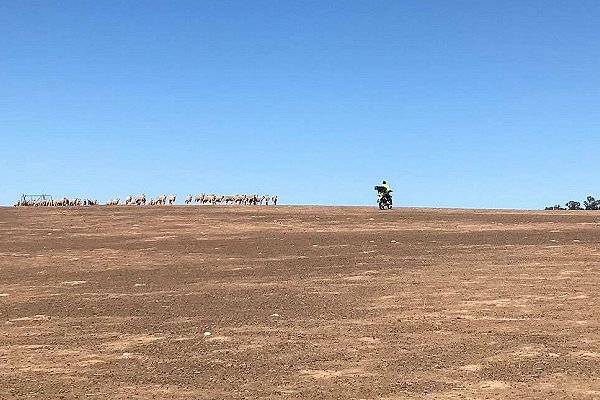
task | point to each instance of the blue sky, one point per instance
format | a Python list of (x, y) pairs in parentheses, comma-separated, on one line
[(489, 104)]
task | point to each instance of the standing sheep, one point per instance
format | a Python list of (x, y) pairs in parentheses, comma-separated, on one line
[(171, 199), (139, 200), (228, 199), (209, 198), (258, 200)]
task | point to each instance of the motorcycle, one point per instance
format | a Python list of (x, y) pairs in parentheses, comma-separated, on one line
[(384, 198)]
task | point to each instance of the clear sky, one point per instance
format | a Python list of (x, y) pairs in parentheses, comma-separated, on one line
[(456, 103)]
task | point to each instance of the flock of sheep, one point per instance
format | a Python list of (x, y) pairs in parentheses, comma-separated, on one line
[(64, 202), (214, 199), (239, 199)]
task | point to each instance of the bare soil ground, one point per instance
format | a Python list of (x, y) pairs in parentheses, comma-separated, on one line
[(298, 302)]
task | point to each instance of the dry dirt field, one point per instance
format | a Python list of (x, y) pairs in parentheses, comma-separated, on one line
[(298, 302)]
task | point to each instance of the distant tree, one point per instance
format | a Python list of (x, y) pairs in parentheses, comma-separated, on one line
[(591, 203), (574, 205)]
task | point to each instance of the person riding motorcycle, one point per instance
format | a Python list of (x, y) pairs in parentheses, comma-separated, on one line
[(385, 195)]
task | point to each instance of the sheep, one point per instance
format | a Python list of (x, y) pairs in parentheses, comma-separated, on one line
[(229, 199), (209, 198), (257, 200), (188, 199), (139, 200), (213, 199), (274, 200), (171, 199), (199, 198), (160, 199), (128, 200), (74, 202)]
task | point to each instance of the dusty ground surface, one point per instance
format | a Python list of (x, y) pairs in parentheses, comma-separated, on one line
[(298, 302)]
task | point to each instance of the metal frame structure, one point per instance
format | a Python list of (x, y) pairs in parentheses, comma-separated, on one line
[(31, 198)]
